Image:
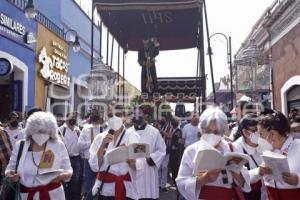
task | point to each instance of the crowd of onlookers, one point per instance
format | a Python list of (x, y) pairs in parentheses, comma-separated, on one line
[(177, 133)]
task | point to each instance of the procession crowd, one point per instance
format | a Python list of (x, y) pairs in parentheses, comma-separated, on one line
[(54, 159)]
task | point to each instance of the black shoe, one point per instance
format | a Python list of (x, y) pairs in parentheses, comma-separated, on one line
[(164, 189)]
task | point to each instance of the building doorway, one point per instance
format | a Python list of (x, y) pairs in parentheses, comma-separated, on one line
[(293, 98), (5, 99)]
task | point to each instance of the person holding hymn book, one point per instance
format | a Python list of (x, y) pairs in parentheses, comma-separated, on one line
[(117, 181), (40, 162), (147, 168), (281, 167), (247, 141), (212, 184)]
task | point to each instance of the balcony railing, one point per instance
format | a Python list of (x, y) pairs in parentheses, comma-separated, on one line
[(49, 24), (40, 18)]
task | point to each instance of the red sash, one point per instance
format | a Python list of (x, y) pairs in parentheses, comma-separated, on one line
[(43, 190), (279, 194), (216, 193), (256, 186), (120, 190)]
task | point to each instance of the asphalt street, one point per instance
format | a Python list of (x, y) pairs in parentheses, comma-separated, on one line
[(171, 194)]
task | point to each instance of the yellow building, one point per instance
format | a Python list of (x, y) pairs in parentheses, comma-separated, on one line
[(52, 91)]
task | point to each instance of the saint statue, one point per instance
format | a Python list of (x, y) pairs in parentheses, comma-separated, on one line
[(146, 59)]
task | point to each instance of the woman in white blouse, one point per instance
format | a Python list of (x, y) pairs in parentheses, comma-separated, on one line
[(44, 161), (247, 142), (274, 131), (215, 184)]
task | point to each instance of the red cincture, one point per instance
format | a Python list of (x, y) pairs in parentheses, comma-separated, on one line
[(43, 190), (120, 190)]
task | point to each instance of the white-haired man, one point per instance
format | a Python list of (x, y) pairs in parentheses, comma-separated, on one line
[(117, 180), (44, 162), (213, 184)]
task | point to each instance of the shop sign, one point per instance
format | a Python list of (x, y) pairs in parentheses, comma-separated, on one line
[(12, 25), (15, 29), (55, 66)]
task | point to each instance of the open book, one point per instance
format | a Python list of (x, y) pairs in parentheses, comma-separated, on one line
[(278, 163), (210, 159), (46, 173), (55, 171), (123, 153)]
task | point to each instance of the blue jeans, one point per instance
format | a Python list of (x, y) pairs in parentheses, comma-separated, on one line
[(89, 178), (73, 188)]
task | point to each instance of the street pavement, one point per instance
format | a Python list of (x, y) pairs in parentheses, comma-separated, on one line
[(170, 195)]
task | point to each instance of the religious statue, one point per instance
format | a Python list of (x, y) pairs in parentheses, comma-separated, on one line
[(146, 58)]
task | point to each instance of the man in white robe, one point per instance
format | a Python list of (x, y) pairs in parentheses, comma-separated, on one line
[(147, 169)]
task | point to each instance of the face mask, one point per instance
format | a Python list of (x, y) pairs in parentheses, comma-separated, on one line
[(264, 145), (138, 121), (254, 138), (211, 138), (72, 122), (95, 118), (40, 139), (115, 123), (14, 124)]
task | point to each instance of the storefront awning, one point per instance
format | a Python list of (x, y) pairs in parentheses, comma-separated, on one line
[(174, 22)]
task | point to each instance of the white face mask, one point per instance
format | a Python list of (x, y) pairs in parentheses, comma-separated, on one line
[(40, 139), (254, 137), (211, 138), (264, 145), (115, 123)]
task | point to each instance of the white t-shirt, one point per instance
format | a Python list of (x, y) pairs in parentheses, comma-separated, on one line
[(190, 134), (14, 135)]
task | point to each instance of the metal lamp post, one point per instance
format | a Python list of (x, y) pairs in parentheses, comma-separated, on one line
[(101, 83), (252, 71), (101, 78), (75, 44), (229, 61), (30, 11)]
